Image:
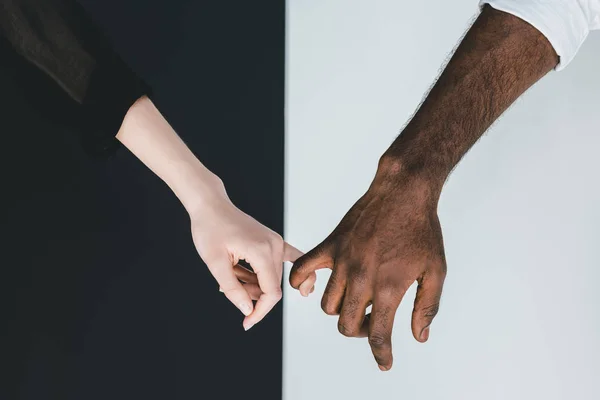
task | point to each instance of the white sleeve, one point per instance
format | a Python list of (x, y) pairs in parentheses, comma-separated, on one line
[(566, 23)]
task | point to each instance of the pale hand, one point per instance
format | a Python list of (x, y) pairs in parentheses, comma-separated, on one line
[(223, 236)]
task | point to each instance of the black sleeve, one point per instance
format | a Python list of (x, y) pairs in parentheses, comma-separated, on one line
[(67, 68)]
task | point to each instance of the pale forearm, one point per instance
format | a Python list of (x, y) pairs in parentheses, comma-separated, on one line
[(147, 134), (222, 233)]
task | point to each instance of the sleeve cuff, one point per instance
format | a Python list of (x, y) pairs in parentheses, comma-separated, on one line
[(113, 89), (64, 45), (562, 22)]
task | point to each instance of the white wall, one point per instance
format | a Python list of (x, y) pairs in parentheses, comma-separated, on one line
[(520, 316)]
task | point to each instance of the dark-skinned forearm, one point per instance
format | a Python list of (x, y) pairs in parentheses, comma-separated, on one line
[(500, 58)]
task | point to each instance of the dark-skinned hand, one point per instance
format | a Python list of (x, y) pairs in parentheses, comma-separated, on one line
[(388, 240), (392, 237)]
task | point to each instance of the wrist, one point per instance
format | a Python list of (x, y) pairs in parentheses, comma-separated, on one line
[(199, 189), (148, 135), (402, 170)]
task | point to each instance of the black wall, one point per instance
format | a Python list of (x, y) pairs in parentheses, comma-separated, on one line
[(103, 293)]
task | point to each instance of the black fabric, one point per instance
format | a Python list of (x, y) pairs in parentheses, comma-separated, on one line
[(56, 40)]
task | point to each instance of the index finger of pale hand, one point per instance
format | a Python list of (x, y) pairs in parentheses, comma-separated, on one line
[(290, 253)]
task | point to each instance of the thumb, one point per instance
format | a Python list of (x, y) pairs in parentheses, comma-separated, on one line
[(427, 304), (318, 258)]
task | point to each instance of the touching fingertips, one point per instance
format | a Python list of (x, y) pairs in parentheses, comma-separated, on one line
[(305, 288), (303, 291), (306, 292)]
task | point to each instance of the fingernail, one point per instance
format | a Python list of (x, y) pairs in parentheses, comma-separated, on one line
[(425, 334), (245, 308), (220, 290), (247, 327), (312, 289), (381, 367)]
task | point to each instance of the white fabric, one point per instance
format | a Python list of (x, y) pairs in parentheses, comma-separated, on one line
[(566, 23)]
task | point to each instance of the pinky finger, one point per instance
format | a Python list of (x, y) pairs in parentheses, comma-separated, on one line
[(307, 287)]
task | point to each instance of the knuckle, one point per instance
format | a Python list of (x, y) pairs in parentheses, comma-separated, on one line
[(378, 341), (352, 305), (277, 294), (388, 292), (358, 274), (276, 242), (430, 311)]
